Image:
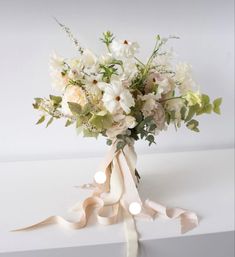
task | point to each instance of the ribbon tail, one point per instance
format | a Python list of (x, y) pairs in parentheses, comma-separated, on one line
[(188, 219), (130, 234)]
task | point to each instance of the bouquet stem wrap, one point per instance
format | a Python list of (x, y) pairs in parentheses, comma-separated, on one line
[(116, 195)]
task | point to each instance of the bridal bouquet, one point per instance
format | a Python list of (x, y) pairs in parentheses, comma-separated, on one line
[(121, 97), (124, 99)]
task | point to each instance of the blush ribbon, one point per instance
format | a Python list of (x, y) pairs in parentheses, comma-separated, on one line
[(116, 194)]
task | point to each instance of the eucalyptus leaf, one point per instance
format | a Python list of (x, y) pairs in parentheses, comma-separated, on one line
[(50, 121), (101, 120), (41, 120), (68, 123), (75, 108), (56, 99), (216, 105), (88, 133), (193, 125)]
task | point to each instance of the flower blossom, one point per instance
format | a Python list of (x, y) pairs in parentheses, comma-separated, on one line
[(116, 97)]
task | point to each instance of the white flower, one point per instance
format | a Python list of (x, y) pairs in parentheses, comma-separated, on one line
[(88, 58), (183, 76), (164, 59), (116, 96), (162, 83), (92, 86), (124, 48), (59, 81), (56, 62), (129, 70), (56, 66), (105, 58), (75, 69), (73, 94)]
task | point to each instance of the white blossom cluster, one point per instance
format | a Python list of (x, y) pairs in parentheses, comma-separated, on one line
[(121, 97)]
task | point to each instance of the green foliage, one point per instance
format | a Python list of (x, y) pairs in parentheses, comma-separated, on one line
[(107, 38), (193, 125), (216, 105), (56, 99), (206, 106), (146, 129), (109, 141), (90, 133), (75, 108), (120, 145), (50, 121), (37, 102), (191, 112), (69, 122), (101, 120), (107, 71), (41, 120)]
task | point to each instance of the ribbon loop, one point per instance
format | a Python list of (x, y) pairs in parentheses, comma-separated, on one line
[(118, 192)]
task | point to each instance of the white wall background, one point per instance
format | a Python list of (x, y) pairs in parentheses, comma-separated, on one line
[(29, 34)]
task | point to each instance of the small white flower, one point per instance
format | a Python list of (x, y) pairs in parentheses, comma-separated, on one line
[(124, 48), (183, 76), (129, 70), (59, 81), (56, 62), (116, 96), (105, 58), (88, 58), (161, 82), (56, 66)]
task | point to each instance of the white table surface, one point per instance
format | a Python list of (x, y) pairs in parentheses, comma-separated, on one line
[(202, 181)]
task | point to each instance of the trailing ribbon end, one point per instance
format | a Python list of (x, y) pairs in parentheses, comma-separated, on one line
[(119, 193)]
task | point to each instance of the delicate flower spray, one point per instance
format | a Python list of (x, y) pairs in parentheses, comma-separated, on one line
[(119, 96)]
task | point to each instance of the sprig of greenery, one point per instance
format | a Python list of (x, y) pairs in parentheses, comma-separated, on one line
[(107, 39), (71, 36), (107, 71)]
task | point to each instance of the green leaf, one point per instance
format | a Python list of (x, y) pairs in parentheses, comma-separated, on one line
[(56, 99), (37, 103), (206, 106), (120, 145), (109, 142), (79, 122), (75, 108), (86, 109), (193, 125), (38, 99), (183, 112), (168, 118), (151, 140), (216, 105), (68, 123), (101, 120), (88, 133), (41, 120), (50, 121), (192, 111)]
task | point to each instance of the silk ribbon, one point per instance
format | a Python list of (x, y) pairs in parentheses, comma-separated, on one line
[(116, 194)]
